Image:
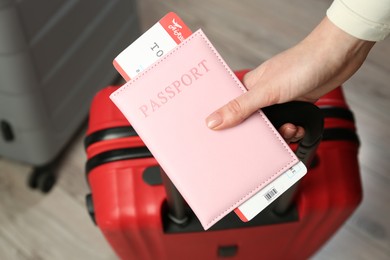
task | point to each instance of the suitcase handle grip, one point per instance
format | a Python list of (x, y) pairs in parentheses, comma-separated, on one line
[(308, 116), (304, 114)]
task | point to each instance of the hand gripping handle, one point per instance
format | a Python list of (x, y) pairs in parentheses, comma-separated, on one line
[(302, 114), (308, 116)]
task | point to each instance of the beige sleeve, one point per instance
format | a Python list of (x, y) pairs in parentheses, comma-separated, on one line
[(364, 19)]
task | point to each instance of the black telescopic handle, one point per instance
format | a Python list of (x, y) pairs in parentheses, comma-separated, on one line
[(308, 116), (176, 205)]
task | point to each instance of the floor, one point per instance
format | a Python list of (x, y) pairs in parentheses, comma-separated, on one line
[(247, 32)]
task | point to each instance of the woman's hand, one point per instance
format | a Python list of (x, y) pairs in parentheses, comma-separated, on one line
[(325, 59)]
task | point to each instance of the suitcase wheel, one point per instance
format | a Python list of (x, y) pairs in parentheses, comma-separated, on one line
[(43, 178)]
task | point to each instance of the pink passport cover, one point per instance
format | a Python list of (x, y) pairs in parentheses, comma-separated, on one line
[(167, 104)]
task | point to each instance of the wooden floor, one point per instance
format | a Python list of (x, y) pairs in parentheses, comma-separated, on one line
[(246, 32)]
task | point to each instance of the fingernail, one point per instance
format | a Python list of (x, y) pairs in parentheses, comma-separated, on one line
[(214, 120)]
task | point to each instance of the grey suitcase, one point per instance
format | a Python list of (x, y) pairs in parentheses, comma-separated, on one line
[(54, 56)]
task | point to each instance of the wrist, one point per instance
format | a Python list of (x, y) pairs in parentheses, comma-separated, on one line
[(339, 53)]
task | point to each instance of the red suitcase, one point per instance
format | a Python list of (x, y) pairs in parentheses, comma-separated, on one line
[(140, 221)]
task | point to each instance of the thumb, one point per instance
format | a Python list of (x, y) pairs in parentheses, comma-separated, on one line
[(237, 110)]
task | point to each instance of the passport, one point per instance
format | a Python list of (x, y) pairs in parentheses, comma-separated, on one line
[(215, 171)]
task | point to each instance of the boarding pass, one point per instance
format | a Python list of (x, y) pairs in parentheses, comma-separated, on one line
[(151, 46)]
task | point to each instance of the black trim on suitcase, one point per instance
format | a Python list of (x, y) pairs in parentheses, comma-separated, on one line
[(330, 134), (117, 155), (152, 176), (90, 207), (340, 134), (337, 112), (109, 134)]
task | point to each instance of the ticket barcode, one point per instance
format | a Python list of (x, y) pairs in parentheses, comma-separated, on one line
[(269, 195), (258, 202)]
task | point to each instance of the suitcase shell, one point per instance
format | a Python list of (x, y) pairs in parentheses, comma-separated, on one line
[(128, 201), (54, 56)]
